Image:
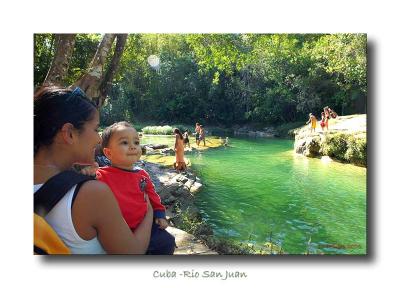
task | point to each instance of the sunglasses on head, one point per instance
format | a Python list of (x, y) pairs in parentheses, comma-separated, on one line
[(78, 92)]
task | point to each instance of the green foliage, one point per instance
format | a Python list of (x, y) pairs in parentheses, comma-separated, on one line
[(84, 50), (43, 54), (188, 223), (335, 145), (44, 49), (346, 147), (225, 79), (114, 108), (158, 130), (357, 151), (344, 58), (286, 130)]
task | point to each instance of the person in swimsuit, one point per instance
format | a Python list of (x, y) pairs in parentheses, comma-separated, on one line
[(197, 133), (180, 164), (313, 121), (186, 138)]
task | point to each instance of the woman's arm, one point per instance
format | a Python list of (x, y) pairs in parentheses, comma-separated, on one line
[(96, 208)]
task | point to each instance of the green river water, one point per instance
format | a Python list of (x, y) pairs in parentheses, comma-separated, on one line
[(259, 190)]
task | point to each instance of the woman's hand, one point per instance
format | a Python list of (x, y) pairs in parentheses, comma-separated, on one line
[(163, 223), (90, 170)]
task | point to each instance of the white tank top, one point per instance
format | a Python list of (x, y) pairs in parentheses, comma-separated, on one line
[(60, 219)]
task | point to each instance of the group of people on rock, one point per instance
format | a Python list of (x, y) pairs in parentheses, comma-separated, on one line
[(326, 114)]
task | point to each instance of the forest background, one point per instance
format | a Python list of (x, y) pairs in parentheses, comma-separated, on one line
[(222, 79)]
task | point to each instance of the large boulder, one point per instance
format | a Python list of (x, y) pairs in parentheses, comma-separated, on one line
[(167, 190), (346, 140), (313, 146), (167, 151)]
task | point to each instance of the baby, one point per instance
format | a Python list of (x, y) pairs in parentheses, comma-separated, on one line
[(132, 186)]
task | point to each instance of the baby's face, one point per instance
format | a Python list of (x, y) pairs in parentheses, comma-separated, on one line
[(124, 147)]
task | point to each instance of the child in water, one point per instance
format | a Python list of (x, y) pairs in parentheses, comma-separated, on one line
[(132, 186)]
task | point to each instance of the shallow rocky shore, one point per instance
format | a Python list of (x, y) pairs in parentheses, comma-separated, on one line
[(267, 132), (177, 192)]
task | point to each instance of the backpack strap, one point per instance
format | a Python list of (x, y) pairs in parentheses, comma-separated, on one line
[(54, 190)]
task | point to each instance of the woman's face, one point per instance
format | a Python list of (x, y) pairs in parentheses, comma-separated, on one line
[(88, 139)]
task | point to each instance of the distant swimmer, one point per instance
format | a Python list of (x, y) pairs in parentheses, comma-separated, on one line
[(226, 142)]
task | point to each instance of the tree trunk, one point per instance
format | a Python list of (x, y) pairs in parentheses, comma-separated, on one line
[(59, 67), (96, 83), (106, 83), (91, 81)]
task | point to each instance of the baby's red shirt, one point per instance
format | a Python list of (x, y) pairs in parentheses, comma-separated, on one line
[(126, 186)]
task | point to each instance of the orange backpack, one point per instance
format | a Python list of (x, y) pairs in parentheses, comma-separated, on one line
[(46, 240)]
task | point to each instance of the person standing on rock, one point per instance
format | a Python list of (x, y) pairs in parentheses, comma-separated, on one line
[(202, 136), (179, 164), (332, 113), (132, 186), (197, 133), (313, 121), (186, 138), (327, 116), (323, 119)]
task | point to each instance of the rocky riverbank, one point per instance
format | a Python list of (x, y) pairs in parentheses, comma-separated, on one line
[(177, 192), (345, 141), (193, 236), (266, 132)]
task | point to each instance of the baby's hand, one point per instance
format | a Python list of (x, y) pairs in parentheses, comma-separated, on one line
[(163, 223)]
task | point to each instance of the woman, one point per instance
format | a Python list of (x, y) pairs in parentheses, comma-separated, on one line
[(179, 164), (65, 133)]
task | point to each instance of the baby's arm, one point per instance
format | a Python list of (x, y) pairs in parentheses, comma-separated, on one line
[(159, 209), (162, 222)]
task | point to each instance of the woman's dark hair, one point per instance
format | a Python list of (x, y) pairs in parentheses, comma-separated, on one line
[(107, 133), (55, 106), (177, 131)]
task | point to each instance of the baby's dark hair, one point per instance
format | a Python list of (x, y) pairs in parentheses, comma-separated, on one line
[(108, 132), (55, 106)]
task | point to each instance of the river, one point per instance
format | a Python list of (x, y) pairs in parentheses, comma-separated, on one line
[(259, 190)]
